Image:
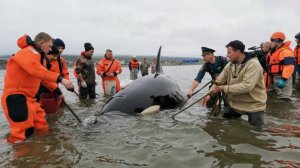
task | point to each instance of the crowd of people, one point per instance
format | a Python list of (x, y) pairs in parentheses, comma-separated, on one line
[(247, 80), (243, 81)]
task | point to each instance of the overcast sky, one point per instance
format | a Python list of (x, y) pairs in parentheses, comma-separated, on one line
[(139, 27)]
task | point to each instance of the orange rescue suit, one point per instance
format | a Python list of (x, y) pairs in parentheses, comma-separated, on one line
[(102, 67), (23, 76), (281, 62), (55, 67)]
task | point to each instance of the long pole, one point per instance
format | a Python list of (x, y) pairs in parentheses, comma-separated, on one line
[(173, 116), (194, 94), (81, 98), (72, 111)]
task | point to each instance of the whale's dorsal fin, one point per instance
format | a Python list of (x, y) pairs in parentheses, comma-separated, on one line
[(158, 67)]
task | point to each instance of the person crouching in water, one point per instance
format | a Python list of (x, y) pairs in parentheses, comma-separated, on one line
[(214, 65), (109, 68), (134, 68), (242, 80), (85, 72), (24, 73)]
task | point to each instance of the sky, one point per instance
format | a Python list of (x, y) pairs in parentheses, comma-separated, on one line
[(139, 27)]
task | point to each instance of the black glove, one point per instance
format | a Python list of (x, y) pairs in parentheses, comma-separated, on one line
[(115, 74)]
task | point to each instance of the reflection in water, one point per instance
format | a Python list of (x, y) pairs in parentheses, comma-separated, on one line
[(52, 149), (232, 134)]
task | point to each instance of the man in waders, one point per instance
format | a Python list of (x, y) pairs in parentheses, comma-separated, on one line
[(109, 68), (243, 82), (85, 72), (214, 65), (280, 67)]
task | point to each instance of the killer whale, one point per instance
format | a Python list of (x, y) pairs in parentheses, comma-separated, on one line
[(150, 90)]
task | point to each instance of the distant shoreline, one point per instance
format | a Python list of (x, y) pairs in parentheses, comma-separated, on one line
[(165, 61)]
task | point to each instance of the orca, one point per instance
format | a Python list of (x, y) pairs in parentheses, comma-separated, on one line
[(150, 90)]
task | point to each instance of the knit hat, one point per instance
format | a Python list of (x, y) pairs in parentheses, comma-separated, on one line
[(88, 46), (59, 43), (236, 44)]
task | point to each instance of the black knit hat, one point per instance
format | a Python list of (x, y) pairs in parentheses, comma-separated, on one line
[(236, 44), (88, 46), (54, 51), (59, 43)]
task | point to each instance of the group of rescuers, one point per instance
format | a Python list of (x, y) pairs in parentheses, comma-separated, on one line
[(38, 68)]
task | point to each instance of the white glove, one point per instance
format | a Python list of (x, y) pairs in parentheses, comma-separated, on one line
[(83, 84)]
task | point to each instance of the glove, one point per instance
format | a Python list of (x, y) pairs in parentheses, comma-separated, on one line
[(83, 84), (281, 83)]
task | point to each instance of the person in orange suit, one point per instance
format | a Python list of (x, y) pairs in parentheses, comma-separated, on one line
[(280, 66), (59, 64), (24, 73), (109, 68)]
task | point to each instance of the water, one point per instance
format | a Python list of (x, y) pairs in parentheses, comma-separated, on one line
[(196, 139)]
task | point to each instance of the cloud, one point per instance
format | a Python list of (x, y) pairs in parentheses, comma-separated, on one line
[(140, 27)]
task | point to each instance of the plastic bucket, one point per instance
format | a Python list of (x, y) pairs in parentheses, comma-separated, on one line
[(50, 103), (110, 87)]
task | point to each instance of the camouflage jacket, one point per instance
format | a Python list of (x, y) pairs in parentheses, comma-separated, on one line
[(85, 67)]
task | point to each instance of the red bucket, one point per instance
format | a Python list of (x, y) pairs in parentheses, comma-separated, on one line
[(50, 103)]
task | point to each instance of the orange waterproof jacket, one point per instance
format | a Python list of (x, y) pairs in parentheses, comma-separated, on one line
[(281, 62), (55, 68), (297, 54), (24, 72), (104, 64)]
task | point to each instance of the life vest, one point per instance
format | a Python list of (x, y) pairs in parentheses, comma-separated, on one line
[(281, 62), (134, 64), (297, 54)]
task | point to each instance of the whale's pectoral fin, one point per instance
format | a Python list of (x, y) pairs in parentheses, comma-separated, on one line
[(151, 110)]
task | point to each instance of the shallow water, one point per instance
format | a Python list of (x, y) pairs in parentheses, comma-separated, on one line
[(195, 139)]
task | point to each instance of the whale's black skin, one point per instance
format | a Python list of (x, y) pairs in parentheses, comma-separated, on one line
[(154, 89)]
